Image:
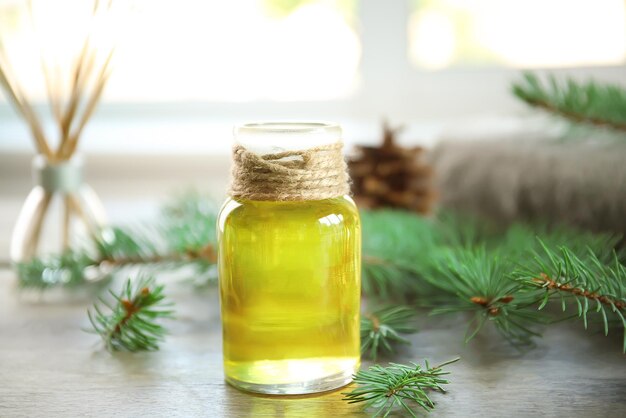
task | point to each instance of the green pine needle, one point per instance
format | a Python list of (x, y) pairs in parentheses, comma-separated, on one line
[(481, 284), (397, 248), (132, 323), (597, 288), (589, 103), (398, 387), (382, 329), (70, 269), (182, 237)]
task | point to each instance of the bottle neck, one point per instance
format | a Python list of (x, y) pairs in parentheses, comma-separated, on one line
[(61, 177), (288, 161)]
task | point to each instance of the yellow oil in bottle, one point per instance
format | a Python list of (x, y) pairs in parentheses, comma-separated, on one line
[(290, 293)]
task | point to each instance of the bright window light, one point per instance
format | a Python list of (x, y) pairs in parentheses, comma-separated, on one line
[(204, 50), (517, 33)]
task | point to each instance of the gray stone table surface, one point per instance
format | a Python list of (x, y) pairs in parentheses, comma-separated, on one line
[(49, 367)]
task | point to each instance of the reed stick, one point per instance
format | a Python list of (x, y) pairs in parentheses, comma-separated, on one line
[(80, 74), (35, 233), (51, 90), (67, 220), (23, 107), (72, 105), (81, 90), (69, 146), (76, 206)]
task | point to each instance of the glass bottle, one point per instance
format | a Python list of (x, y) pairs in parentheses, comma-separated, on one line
[(289, 279), (59, 210)]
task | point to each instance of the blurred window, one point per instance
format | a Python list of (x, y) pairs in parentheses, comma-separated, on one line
[(517, 33), (260, 51), (213, 50)]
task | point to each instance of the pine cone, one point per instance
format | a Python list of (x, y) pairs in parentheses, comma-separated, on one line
[(392, 176)]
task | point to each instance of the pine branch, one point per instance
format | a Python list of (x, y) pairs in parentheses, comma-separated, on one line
[(597, 287), (482, 285), (382, 329), (549, 284), (397, 246), (397, 387), (132, 324), (70, 269), (182, 238), (188, 223), (601, 105), (459, 264), (520, 245)]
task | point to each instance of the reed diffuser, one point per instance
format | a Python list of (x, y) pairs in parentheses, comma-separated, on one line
[(61, 204)]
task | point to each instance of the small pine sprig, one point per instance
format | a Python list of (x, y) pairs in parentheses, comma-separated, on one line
[(132, 323), (182, 237), (481, 283), (589, 103), (596, 286), (69, 269), (398, 386), (383, 328)]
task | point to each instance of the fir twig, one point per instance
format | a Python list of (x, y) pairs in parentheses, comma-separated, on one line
[(597, 287), (482, 285), (132, 324), (382, 329), (398, 386), (183, 238), (67, 269), (590, 103)]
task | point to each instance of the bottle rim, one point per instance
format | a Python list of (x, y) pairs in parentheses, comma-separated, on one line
[(286, 135), (287, 127)]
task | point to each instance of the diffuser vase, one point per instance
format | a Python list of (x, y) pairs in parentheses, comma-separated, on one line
[(60, 209), (75, 75)]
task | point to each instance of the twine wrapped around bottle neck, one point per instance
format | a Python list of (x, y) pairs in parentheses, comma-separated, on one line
[(311, 174)]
